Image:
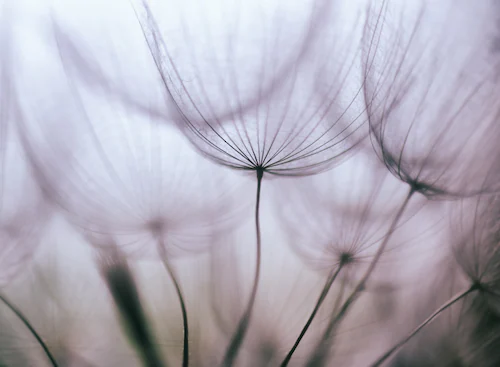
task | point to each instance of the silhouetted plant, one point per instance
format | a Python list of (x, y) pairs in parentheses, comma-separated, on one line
[(445, 341), (103, 125), (476, 251), (335, 222), (141, 184), (306, 125), (433, 147), (431, 99)]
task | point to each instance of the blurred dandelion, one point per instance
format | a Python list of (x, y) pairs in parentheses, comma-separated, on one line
[(335, 222), (138, 181), (476, 251), (477, 246), (431, 92), (24, 214), (445, 342), (121, 284), (421, 101)]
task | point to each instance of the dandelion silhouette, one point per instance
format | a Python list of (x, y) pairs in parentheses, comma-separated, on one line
[(277, 320), (447, 340), (447, 150), (432, 111), (476, 249), (432, 105), (140, 183), (308, 123), (335, 221)]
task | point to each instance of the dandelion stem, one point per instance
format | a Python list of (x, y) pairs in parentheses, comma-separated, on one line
[(123, 289), (327, 335), (321, 349), (321, 298), (25, 321), (339, 298), (171, 272), (242, 329), (427, 321)]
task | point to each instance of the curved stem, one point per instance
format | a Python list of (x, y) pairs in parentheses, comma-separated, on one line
[(322, 347), (171, 272), (427, 321), (25, 321), (239, 335), (321, 298)]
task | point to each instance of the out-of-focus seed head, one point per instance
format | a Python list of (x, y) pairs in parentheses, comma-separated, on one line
[(431, 94)]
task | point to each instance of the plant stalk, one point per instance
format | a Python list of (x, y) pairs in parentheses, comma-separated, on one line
[(321, 298), (171, 273), (239, 335), (25, 321), (427, 321)]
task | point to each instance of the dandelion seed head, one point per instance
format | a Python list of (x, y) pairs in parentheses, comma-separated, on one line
[(340, 216), (134, 179), (430, 97), (477, 247), (297, 127)]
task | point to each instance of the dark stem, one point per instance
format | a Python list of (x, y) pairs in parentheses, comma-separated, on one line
[(322, 350), (427, 321), (339, 298), (322, 347), (321, 298), (25, 321), (171, 272), (329, 330), (242, 329)]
